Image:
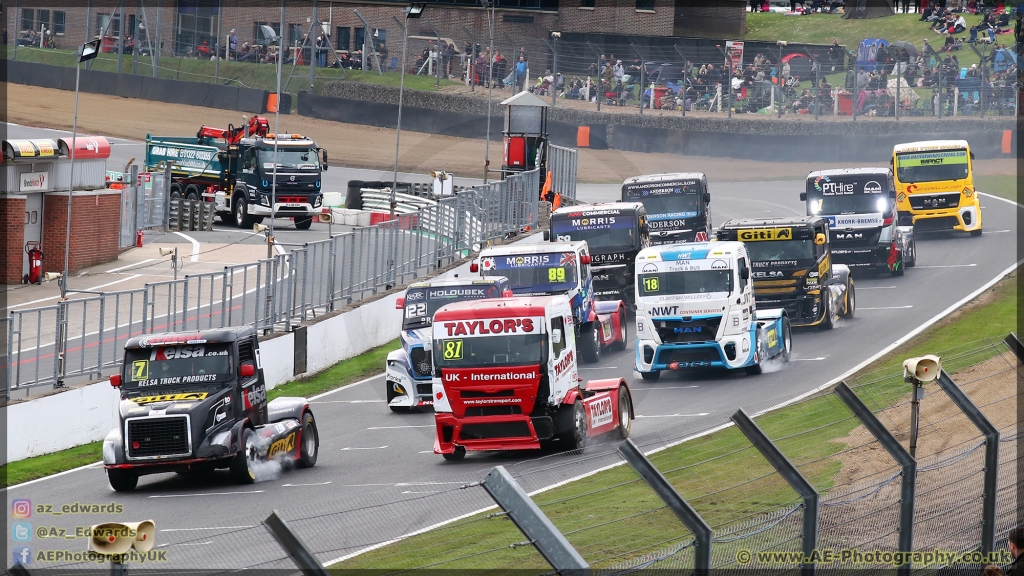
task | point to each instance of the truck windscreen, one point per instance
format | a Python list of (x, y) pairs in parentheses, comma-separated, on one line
[(932, 166), (291, 158), (780, 250), (689, 282), (676, 199), (617, 232), (489, 351), (422, 303), (177, 364), (845, 195), (534, 273)]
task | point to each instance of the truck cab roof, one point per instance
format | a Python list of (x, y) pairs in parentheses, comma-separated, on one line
[(780, 222), (268, 141), (691, 251), (848, 172), (531, 248), (216, 335), (927, 145), (467, 281), (664, 177), (500, 308), (600, 208)]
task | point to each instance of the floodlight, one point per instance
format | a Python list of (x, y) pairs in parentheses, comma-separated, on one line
[(88, 51), (415, 10)]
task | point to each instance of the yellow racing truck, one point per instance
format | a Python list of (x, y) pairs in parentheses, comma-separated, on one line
[(935, 186)]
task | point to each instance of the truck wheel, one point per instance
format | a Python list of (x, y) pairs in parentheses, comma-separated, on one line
[(244, 463), (459, 454), (851, 299), (827, 323), (900, 265), (976, 233), (574, 431), (175, 190), (310, 442), (122, 480), (590, 344), (242, 218), (911, 256), (303, 223), (192, 192), (787, 339), (651, 376), (623, 331), (624, 412)]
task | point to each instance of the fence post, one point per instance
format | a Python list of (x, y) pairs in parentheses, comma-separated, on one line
[(792, 475), (167, 196), (532, 522), (908, 484), (1015, 344), (991, 433), (294, 545), (681, 508)]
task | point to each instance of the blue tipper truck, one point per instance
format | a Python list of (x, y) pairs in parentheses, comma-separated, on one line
[(234, 169)]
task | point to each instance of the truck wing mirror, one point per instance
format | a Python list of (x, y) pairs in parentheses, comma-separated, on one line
[(474, 267), (323, 159), (707, 197), (556, 336), (745, 273), (892, 194), (115, 380), (547, 235), (399, 303), (803, 196), (585, 259), (819, 239), (246, 370)]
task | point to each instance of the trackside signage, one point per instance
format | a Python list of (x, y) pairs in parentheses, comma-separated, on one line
[(33, 181), (488, 327)]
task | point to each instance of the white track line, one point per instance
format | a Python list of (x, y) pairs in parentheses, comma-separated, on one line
[(113, 270), (674, 415), (396, 427), (205, 494), (887, 307), (210, 528), (195, 246), (949, 266)]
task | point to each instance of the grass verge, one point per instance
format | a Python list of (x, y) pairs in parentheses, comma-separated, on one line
[(1002, 185), (720, 474), (341, 374)]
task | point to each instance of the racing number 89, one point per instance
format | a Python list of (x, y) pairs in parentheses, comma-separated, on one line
[(556, 274), (651, 284), (453, 350)]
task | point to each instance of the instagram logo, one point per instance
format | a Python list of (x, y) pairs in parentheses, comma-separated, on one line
[(21, 508)]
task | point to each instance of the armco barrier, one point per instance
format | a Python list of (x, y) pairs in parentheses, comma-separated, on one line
[(144, 87)]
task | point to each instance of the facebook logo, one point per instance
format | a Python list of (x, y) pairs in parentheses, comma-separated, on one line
[(21, 555)]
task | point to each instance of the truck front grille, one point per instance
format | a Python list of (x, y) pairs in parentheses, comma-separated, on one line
[(158, 437), (422, 365), (687, 332), (692, 358), (425, 389), (489, 430), (934, 201)]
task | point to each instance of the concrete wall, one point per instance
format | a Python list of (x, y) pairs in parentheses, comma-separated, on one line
[(78, 416)]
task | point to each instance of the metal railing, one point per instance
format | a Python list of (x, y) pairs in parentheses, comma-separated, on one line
[(84, 337), (562, 163)]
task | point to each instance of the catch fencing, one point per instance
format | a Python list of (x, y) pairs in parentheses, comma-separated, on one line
[(84, 337), (829, 473), (562, 163)]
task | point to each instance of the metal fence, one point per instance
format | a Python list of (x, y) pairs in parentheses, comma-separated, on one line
[(562, 163), (830, 473), (84, 337), (144, 205)]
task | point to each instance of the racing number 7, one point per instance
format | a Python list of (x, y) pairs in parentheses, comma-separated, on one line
[(140, 370), (453, 350)]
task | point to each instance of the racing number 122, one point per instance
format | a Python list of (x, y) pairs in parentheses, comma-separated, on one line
[(453, 350)]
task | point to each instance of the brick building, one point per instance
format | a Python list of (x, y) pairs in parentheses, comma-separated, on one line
[(184, 24)]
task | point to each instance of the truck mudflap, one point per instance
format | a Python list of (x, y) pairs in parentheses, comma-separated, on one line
[(611, 320)]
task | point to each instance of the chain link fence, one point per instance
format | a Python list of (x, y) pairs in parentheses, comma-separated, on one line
[(83, 337)]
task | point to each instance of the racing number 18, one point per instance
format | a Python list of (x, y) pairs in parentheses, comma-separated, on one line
[(556, 274), (651, 284), (453, 350)]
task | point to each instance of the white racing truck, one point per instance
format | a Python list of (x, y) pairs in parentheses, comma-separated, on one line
[(505, 378), (695, 309), (408, 370)]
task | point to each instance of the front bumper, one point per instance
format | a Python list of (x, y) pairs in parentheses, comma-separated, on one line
[(511, 432), (803, 310), (871, 257), (651, 356), (964, 219), (405, 390), (285, 210)]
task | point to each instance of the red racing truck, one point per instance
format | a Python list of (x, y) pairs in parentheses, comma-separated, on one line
[(505, 378)]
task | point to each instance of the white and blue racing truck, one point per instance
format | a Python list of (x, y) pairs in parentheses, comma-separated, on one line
[(410, 368), (695, 309)]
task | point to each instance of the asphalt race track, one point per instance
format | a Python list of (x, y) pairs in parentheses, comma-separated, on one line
[(370, 455)]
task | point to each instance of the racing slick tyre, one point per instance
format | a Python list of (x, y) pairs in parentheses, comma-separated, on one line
[(122, 480), (851, 299), (574, 427), (900, 266), (243, 465), (828, 320), (242, 218), (910, 258), (459, 454), (620, 344), (622, 432), (759, 355), (310, 442), (976, 233), (590, 344), (787, 339), (651, 376), (303, 223)]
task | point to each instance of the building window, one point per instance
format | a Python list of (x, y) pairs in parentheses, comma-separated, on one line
[(28, 20), (58, 22), (43, 19), (645, 5), (342, 38), (587, 4), (111, 25), (360, 34), (295, 33)]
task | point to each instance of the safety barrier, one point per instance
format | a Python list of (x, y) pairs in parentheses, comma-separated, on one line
[(562, 165), (185, 214), (82, 338)]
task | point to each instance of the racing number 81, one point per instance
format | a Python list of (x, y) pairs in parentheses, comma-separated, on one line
[(556, 274), (453, 350), (651, 284)]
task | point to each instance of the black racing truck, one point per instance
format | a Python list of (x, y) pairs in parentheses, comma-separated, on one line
[(677, 205), (860, 206), (791, 266), (197, 401), (615, 233)]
